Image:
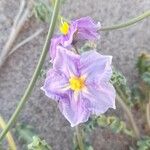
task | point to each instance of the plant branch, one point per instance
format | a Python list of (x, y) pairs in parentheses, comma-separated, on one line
[(21, 9), (36, 72), (130, 116), (17, 26), (148, 111), (79, 138), (9, 137), (19, 22), (28, 39), (128, 23)]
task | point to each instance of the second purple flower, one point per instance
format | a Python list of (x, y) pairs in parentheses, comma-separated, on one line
[(81, 29)]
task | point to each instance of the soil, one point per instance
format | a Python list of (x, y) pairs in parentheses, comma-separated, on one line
[(41, 112)]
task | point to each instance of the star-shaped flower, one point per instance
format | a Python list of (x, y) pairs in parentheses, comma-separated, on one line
[(80, 84)]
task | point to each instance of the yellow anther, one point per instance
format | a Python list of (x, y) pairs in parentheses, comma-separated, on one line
[(77, 83), (64, 28)]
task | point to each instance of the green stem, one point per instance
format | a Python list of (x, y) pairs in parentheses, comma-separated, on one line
[(79, 138), (129, 114), (148, 112), (9, 137), (128, 23), (36, 73)]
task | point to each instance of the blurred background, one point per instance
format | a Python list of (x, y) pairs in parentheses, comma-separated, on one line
[(40, 112)]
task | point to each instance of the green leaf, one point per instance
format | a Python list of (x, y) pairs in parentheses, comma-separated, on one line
[(88, 146), (38, 144), (24, 133), (146, 78), (138, 96), (143, 66), (119, 82), (90, 125), (42, 73), (42, 11), (111, 122), (114, 124), (118, 79), (88, 46), (143, 144), (143, 63)]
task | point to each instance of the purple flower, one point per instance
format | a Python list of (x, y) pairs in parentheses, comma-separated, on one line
[(82, 29), (80, 84), (87, 29)]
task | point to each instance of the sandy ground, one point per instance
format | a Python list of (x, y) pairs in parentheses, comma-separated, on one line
[(43, 113)]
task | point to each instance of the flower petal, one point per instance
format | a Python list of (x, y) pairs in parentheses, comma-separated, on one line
[(75, 111), (66, 61), (95, 66), (67, 40), (55, 85), (86, 22), (53, 47), (87, 28), (101, 98)]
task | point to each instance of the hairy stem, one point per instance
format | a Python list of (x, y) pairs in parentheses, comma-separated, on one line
[(130, 116), (148, 112), (79, 138), (128, 23), (36, 73)]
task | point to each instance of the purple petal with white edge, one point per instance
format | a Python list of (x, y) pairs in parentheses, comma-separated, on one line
[(75, 111), (87, 28), (67, 40), (95, 67), (63, 40), (86, 22), (84, 34), (66, 61), (53, 47), (101, 98), (55, 85)]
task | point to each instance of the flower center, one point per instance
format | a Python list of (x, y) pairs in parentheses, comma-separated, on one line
[(77, 83), (64, 28)]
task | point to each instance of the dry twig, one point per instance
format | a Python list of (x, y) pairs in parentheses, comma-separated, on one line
[(19, 22), (28, 39)]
